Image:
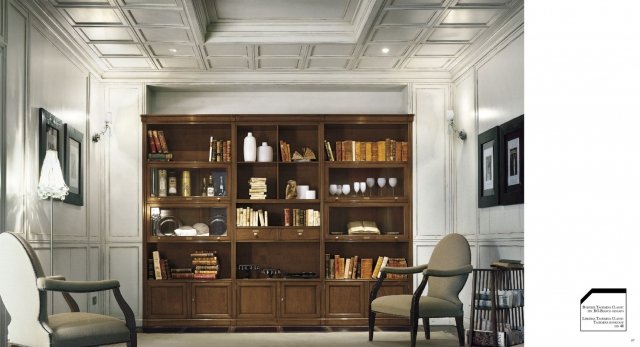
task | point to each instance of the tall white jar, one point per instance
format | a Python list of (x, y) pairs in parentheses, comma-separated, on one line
[(265, 153), (249, 150)]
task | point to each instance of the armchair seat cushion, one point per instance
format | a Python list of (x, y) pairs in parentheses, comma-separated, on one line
[(86, 329), (430, 307)]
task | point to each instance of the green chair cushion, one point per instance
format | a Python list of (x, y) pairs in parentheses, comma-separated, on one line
[(86, 329), (430, 307)]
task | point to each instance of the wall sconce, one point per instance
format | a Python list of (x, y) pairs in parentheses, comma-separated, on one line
[(461, 133), (107, 125)]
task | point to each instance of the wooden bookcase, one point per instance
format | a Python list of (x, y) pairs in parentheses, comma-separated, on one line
[(232, 299)]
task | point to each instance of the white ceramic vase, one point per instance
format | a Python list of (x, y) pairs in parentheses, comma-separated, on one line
[(265, 153), (249, 149)]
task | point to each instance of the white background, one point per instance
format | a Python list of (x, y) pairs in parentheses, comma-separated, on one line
[(582, 67)]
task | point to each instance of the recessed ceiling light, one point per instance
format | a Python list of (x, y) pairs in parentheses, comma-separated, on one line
[(173, 50), (385, 50)]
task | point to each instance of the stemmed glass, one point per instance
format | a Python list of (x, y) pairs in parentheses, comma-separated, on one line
[(381, 183), (338, 189), (356, 188), (393, 182), (333, 189), (370, 182), (346, 189), (363, 187)]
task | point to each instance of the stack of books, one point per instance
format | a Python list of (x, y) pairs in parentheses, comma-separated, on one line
[(258, 188), (508, 264), (158, 149), (205, 264), (338, 267)]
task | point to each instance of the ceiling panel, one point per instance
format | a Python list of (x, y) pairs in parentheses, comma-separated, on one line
[(226, 50), (417, 2), (178, 63), (386, 49), (468, 16), (439, 49), (110, 49), (377, 63), (81, 2), (159, 49), (148, 2), (332, 50), (454, 34), (328, 63), (87, 15), (482, 2), (155, 17), (396, 34), (404, 17), (279, 50), (228, 63), (164, 34), (279, 9), (106, 34), (273, 63), (427, 63)]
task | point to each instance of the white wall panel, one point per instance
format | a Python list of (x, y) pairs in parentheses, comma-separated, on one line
[(72, 263), (277, 102), (96, 162), (465, 157), (94, 275), (49, 69), (490, 251), (124, 180), (430, 167), (15, 120), (124, 266)]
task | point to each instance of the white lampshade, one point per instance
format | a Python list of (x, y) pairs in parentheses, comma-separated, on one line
[(51, 183)]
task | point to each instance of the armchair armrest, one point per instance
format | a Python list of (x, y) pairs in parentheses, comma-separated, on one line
[(404, 270), (448, 272), (47, 283)]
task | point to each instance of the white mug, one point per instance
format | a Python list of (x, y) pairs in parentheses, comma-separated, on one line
[(311, 194)]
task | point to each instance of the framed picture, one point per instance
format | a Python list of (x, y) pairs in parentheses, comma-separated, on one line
[(51, 135), (512, 155), (488, 168), (73, 165)]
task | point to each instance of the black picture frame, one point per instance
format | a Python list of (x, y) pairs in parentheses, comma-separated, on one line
[(73, 165), (51, 134), (512, 157), (489, 168)]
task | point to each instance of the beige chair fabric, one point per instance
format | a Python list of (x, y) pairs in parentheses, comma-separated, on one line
[(25, 297), (446, 273)]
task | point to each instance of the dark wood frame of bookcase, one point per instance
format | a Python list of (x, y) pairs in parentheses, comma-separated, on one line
[(329, 302)]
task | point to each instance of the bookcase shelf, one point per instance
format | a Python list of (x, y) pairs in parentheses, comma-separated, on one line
[(233, 299)]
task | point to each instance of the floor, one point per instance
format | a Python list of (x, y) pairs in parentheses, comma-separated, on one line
[(315, 337)]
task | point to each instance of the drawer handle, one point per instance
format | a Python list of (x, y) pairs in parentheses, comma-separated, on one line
[(218, 238), (300, 231), (337, 237), (396, 237), (255, 233)]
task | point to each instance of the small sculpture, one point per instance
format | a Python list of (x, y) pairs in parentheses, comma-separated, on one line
[(290, 192)]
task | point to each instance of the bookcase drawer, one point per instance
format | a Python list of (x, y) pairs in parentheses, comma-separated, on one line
[(257, 234), (299, 234)]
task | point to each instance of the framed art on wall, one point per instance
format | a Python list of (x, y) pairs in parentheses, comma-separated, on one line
[(73, 164), (512, 155), (488, 168), (51, 134)]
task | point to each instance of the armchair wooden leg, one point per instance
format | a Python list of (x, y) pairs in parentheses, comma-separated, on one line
[(460, 327), (372, 322), (414, 329), (427, 329)]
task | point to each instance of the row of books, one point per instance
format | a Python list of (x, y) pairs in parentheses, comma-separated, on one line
[(383, 150), (286, 156), (507, 264), (204, 266), (248, 217), (338, 267), (258, 188), (301, 217), (157, 142), (219, 150)]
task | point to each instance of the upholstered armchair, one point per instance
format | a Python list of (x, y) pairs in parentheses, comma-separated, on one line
[(446, 272), (23, 289)]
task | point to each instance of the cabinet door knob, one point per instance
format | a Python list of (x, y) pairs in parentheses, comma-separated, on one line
[(337, 237), (300, 231)]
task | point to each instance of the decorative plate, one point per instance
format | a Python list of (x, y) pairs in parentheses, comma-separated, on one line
[(217, 226), (167, 225), (201, 229)]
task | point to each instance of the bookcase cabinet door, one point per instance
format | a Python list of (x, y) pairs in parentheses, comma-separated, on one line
[(345, 299), (211, 300), (167, 300), (300, 299), (256, 300)]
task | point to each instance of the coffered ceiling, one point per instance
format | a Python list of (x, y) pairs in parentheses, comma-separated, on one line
[(279, 35)]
